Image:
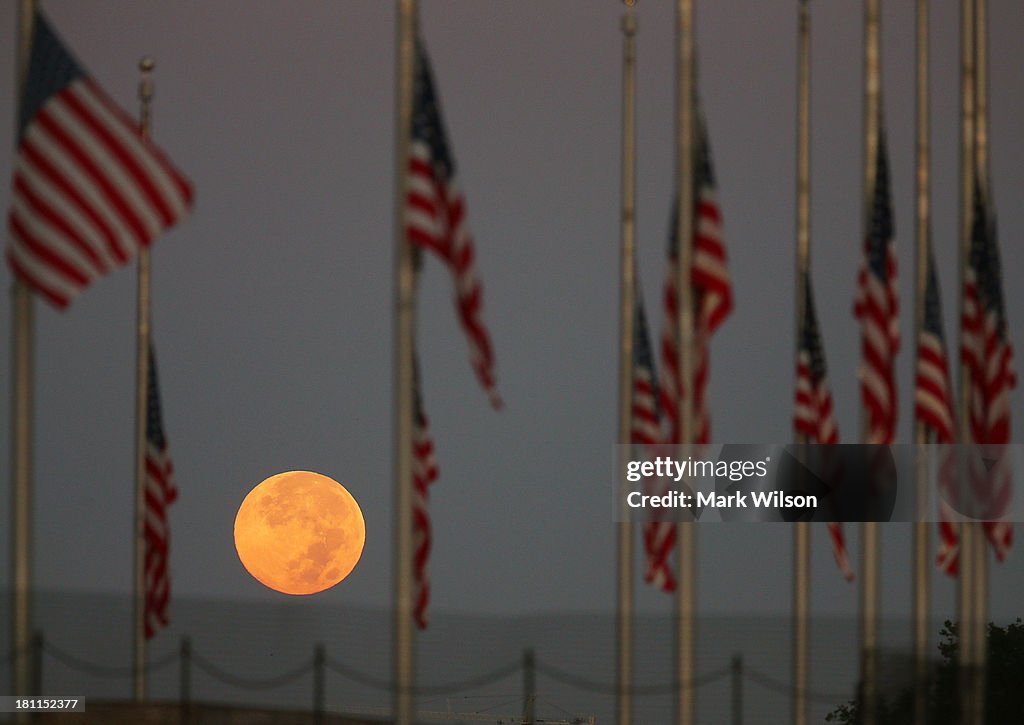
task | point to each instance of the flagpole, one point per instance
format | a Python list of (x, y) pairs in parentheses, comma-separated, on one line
[(922, 539), (21, 424), (870, 594), (981, 158), (981, 168), (968, 530), (922, 229), (624, 633), (146, 66), (686, 599), (403, 370), (801, 529)]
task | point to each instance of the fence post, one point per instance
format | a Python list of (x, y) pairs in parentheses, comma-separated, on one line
[(737, 689), (185, 678), (37, 662), (319, 659), (529, 685)]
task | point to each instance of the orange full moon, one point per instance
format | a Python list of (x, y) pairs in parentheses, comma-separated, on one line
[(299, 532)]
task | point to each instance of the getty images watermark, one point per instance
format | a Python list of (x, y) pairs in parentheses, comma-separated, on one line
[(806, 482)]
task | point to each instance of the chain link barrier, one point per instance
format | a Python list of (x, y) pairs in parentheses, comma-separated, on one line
[(604, 688), (783, 688), (244, 683), (385, 685), (98, 670), (425, 690)]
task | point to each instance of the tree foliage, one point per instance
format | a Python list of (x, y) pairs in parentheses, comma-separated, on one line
[(1004, 684)]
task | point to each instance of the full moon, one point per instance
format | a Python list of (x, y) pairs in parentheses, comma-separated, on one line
[(299, 532)]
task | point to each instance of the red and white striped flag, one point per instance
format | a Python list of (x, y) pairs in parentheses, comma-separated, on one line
[(712, 295), (987, 354), (645, 420), (812, 413), (933, 398), (646, 430), (424, 473), (161, 492), (933, 407), (877, 309), (436, 219), (89, 190)]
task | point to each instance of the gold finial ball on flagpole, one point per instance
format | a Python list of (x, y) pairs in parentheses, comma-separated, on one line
[(629, 19), (146, 65)]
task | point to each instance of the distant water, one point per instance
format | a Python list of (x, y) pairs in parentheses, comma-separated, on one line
[(254, 641)]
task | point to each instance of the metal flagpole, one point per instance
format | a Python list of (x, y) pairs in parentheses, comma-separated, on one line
[(141, 380), (403, 370), (21, 425), (870, 590), (624, 633), (981, 168), (922, 232), (686, 595), (969, 533), (802, 529)]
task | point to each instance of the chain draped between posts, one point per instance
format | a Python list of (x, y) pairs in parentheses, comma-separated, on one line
[(352, 674), (243, 683), (666, 688), (101, 670), (784, 688)]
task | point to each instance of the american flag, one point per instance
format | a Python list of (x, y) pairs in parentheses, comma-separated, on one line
[(161, 492), (646, 430), (933, 407), (436, 219), (933, 399), (987, 353), (813, 413), (712, 295), (646, 415), (712, 298), (89, 190), (812, 416), (424, 473), (877, 309)]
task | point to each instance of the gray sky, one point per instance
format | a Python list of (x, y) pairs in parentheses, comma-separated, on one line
[(272, 302)]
